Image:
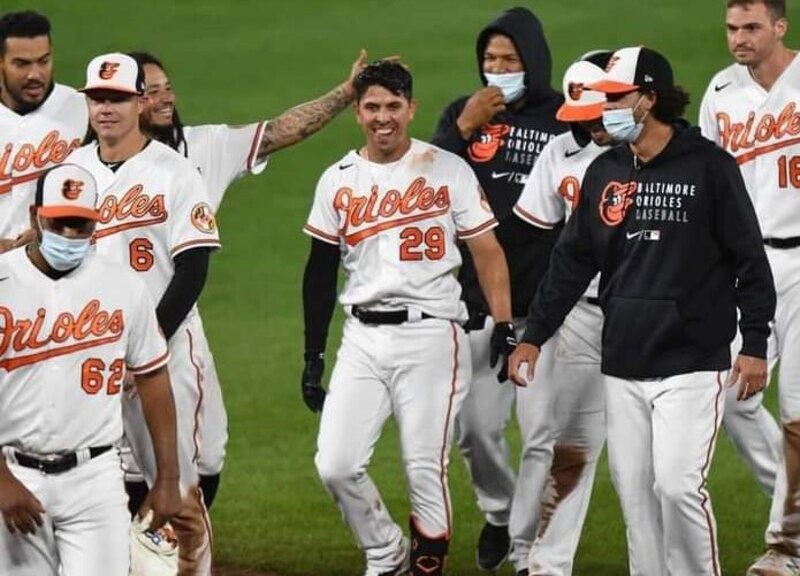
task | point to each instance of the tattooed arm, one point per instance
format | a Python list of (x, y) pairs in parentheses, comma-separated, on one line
[(303, 120)]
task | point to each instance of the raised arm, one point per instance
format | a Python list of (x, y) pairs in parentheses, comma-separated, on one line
[(305, 119)]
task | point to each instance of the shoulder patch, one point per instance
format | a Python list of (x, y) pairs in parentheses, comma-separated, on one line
[(203, 218)]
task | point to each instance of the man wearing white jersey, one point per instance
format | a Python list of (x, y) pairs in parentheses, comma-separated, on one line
[(73, 324), (550, 195), (41, 122), (223, 153), (750, 109), (155, 218), (391, 212)]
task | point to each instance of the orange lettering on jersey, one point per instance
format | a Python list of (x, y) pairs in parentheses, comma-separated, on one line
[(135, 209), (53, 149), (749, 135), (68, 333), (419, 202)]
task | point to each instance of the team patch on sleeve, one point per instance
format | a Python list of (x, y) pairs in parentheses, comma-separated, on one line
[(203, 218)]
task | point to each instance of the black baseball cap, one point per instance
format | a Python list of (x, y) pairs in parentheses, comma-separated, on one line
[(635, 68)]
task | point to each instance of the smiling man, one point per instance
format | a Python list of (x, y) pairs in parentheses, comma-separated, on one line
[(391, 212), (41, 122)]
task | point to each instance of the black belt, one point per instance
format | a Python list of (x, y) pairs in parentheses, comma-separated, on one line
[(59, 464), (378, 317), (782, 243), (592, 300)]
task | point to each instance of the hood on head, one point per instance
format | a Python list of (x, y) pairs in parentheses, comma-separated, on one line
[(525, 30)]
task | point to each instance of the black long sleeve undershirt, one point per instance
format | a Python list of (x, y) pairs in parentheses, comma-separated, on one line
[(319, 293), (191, 270)]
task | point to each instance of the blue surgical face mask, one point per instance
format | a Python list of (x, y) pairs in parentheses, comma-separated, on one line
[(621, 124), (512, 84), (62, 253)]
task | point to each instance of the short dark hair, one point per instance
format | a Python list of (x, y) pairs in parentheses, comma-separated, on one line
[(26, 24), (670, 104), (777, 8), (390, 75)]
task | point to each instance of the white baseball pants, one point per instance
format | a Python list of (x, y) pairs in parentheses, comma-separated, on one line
[(418, 372), (86, 524), (661, 439)]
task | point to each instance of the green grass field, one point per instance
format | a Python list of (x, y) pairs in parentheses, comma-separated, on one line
[(244, 60)]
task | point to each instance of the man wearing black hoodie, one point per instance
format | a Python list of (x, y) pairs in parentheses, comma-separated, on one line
[(667, 222), (500, 131)]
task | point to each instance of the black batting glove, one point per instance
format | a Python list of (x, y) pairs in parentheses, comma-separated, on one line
[(311, 381), (503, 343)]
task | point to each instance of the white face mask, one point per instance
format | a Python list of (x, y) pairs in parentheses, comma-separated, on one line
[(512, 84), (61, 253), (621, 124)]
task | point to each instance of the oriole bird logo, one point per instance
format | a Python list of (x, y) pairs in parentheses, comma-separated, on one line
[(108, 69), (71, 189), (491, 138), (615, 200)]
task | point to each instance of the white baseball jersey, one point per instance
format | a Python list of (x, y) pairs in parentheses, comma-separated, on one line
[(65, 346), (762, 131), (222, 154), (151, 209), (553, 189), (397, 225), (31, 143)]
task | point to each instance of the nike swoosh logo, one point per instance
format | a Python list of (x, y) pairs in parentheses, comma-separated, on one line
[(3, 278), (345, 166), (571, 153), (719, 87), (497, 175), (632, 235)]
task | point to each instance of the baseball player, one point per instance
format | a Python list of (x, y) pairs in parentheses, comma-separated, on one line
[(666, 220), (73, 324), (41, 122), (500, 130), (222, 154), (550, 195), (156, 219), (391, 212), (749, 109)]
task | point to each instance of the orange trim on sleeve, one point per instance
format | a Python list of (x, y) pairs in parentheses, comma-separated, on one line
[(320, 235), (194, 244), (254, 147), (531, 219), (465, 234), (150, 366)]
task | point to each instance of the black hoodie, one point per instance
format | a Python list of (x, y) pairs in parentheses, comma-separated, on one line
[(502, 155), (678, 246)]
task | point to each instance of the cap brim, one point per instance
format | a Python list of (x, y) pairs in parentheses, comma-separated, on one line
[(68, 212), (583, 113), (613, 87), (109, 88)]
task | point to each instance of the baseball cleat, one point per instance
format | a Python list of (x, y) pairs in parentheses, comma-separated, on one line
[(493, 546), (775, 563)]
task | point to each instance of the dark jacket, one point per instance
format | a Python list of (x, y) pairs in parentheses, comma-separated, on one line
[(502, 155), (678, 246)]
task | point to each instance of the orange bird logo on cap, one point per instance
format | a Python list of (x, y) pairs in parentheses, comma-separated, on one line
[(575, 89), (71, 189), (613, 60), (108, 69)]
